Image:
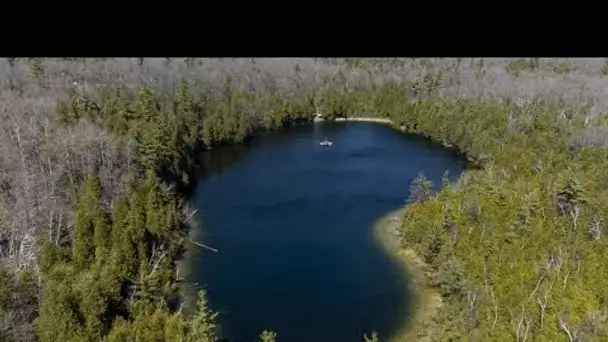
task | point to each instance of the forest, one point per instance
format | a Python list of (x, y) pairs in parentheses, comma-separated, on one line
[(98, 155)]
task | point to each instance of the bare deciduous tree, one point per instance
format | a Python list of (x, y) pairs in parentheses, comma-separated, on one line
[(543, 302), (42, 162), (595, 227), (521, 324), (572, 332)]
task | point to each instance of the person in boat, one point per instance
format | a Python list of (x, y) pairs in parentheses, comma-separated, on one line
[(326, 142)]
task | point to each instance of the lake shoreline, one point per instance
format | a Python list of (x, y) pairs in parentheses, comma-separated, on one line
[(400, 129), (425, 299), (359, 119)]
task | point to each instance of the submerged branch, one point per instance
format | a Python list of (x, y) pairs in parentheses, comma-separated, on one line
[(203, 246)]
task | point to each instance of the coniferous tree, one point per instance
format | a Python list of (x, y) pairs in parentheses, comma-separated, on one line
[(604, 70), (36, 70), (203, 325), (91, 229), (268, 336)]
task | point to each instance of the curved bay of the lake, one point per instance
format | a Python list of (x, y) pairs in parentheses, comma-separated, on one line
[(292, 223)]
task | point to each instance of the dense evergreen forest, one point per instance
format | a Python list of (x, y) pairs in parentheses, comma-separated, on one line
[(97, 155)]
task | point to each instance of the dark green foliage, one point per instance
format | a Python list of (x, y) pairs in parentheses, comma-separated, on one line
[(520, 66), (130, 275), (144, 223), (268, 336), (169, 133), (203, 325), (489, 240), (604, 70), (59, 317), (36, 70), (50, 254), (18, 304), (79, 106), (525, 231), (91, 230)]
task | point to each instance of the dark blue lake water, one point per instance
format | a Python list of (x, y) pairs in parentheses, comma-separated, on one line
[(293, 225)]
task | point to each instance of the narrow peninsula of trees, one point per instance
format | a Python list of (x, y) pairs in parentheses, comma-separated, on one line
[(97, 156)]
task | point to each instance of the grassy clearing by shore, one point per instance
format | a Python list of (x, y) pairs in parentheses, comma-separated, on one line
[(365, 119), (357, 119), (426, 300)]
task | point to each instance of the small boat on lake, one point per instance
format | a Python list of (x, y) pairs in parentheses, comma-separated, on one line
[(326, 143)]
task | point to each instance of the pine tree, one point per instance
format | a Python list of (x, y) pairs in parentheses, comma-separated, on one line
[(203, 325), (268, 336), (91, 228), (137, 229), (604, 70), (123, 246), (58, 320), (155, 206), (36, 70), (154, 145), (50, 255), (184, 100), (146, 105)]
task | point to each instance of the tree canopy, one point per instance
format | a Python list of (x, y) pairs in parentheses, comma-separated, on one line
[(98, 154)]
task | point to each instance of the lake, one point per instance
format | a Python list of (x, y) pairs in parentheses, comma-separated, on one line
[(292, 223)]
